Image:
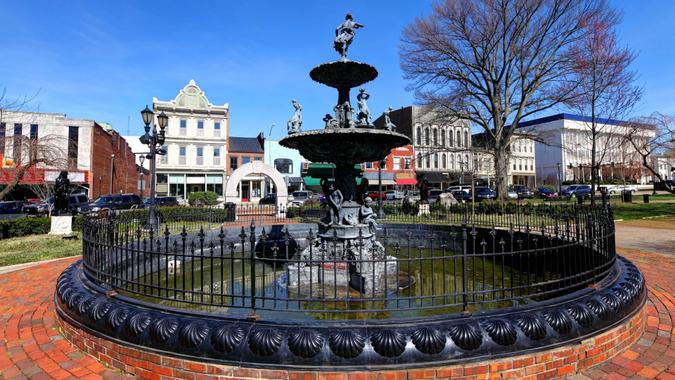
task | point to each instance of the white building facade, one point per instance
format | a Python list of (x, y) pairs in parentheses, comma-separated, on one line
[(521, 166), (563, 148), (196, 144)]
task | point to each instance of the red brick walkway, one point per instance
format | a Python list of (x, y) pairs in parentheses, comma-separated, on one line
[(31, 347)]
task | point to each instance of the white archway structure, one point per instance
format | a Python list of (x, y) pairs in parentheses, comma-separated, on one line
[(257, 167)]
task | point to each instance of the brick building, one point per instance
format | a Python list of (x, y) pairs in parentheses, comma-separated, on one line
[(243, 150), (398, 171), (86, 147)]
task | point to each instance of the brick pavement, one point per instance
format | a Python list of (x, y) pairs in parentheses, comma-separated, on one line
[(31, 346)]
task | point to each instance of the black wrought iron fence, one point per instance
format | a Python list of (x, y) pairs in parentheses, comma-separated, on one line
[(443, 261)]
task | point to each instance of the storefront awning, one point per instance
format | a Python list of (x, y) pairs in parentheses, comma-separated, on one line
[(406, 181), (436, 177)]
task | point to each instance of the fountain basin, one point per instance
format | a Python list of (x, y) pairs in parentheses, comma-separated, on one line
[(343, 74)]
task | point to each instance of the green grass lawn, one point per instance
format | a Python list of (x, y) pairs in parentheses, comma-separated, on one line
[(632, 211), (37, 248)]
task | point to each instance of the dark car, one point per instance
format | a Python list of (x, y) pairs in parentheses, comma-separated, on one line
[(77, 204), (163, 202), (583, 191), (483, 193), (269, 199), (11, 207), (116, 202), (546, 193), (523, 192), (433, 195), (461, 195), (277, 247)]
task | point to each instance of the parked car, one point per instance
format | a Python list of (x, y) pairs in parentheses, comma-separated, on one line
[(461, 195), (115, 202), (299, 198), (269, 199), (162, 202), (464, 188), (392, 195), (483, 193), (413, 195), (11, 207), (77, 204), (546, 193), (374, 195), (433, 195), (577, 190), (523, 192), (511, 194), (618, 189)]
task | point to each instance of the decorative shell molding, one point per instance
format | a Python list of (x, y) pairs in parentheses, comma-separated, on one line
[(466, 337), (117, 316), (581, 314), (193, 334), (559, 321), (532, 327), (226, 338), (305, 343), (137, 324), (429, 341), (265, 341), (346, 343), (388, 343), (612, 301), (162, 329), (599, 308), (501, 332), (99, 309)]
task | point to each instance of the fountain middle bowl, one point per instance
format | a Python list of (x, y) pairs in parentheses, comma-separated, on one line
[(345, 145)]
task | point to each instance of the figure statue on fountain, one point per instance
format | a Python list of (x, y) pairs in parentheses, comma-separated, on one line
[(295, 122), (344, 34), (367, 215), (343, 113), (388, 125), (330, 122), (364, 112), (334, 199)]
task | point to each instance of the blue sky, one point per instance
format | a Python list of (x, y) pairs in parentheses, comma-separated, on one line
[(105, 60)]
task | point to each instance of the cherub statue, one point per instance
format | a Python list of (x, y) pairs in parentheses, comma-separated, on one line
[(344, 34), (330, 121), (295, 122), (343, 112), (364, 112), (367, 215), (387, 120)]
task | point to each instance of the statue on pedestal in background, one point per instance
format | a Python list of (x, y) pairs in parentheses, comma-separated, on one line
[(295, 122), (423, 186), (61, 194), (344, 34)]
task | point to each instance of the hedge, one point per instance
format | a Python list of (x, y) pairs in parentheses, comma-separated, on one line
[(203, 198), (30, 226)]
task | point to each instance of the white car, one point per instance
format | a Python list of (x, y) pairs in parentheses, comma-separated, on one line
[(618, 189)]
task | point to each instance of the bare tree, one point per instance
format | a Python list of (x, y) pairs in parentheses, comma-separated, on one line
[(28, 152), (494, 62), (604, 87), (650, 145)]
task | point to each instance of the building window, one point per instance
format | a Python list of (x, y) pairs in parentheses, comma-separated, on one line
[(514, 165), (33, 139), (164, 159), (426, 136), (419, 160), (181, 155), (200, 127), (466, 139), (216, 156), (407, 163), (397, 163), (466, 159), (442, 137), (216, 129), (234, 163), (427, 162), (436, 161), (444, 163), (284, 165), (18, 130), (419, 136), (435, 133), (245, 160), (73, 140), (450, 135), (459, 139), (33, 131), (369, 165), (200, 155), (3, 131), (256, 158), (452, 159), (183, 127)]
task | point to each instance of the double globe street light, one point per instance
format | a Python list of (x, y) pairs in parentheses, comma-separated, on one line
[(154, 140)]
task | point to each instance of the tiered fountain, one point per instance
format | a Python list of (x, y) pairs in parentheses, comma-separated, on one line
[(347, 233)]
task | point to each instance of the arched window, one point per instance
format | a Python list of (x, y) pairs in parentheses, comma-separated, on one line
[(450, 138), (435, 133), (466, 139), (459, 138), (452, 159), (426, 136), (436, 161), (444, 163), (419, 160), (426, 162), (442, 137), (419, 136), (467, 162)]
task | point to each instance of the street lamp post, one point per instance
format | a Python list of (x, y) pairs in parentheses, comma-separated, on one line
[(141, 159), (154, 140)]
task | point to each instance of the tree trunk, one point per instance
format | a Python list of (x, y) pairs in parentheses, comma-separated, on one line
[(501, 161)]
